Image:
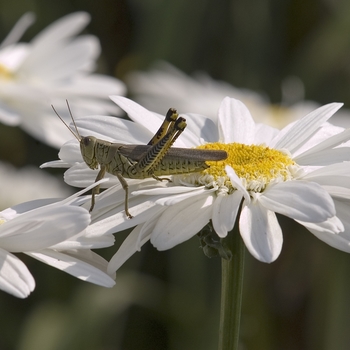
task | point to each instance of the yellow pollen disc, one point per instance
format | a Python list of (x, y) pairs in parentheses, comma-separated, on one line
[(5, 73), (258, 165), (2, 221)]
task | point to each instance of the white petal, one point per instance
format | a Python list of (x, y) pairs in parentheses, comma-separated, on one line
[(328, 233), (139, 114), (113, 129), (55, 164), (325, 157), (331, 175), (112, 201), (70, 152), (165, 191), (261, 232), (338, 192), (52, 41), (74, 266), (44, 125), (12, 57), (17, 210), (8, 116), (331, 226), (236, 182), (115, 220), (325, 145), (147, 229), (113, 197), (264, 134), (96, 85), (225, 212), (175, 199), (342, 208), (43, 227), (76, 196), (182, 221), (18, 30), (334, 240), (61, 63), (129, 247), (79, 175), (15, 278), (85, 240), (91, 258), (294, 137), (199, 127), (300, 200), (29, 214), (235, 122), (64, 27)]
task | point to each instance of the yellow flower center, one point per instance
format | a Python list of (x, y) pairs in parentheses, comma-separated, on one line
[(5, 74), (2, 221), (255, 165)]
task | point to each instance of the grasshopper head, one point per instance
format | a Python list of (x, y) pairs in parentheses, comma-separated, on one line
[(87, 149)]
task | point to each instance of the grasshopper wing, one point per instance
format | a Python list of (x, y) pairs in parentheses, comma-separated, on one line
[(136, 152)]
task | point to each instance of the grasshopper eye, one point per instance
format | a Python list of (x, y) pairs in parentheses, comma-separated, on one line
[(87, 145), (86, 141)]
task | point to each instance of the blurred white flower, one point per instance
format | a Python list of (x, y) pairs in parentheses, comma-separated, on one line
[(53, 232), (165, 86), (28, 183), (299, 172), (56, 65)]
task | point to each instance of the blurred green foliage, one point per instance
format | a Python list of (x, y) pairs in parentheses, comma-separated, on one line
[(170, 300)]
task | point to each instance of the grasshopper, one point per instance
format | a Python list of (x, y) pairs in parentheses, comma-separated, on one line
[(155, 159)]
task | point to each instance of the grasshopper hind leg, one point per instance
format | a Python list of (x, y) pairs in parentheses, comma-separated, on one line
[(169, 120)]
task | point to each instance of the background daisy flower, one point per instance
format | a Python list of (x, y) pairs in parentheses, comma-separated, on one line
[(56, 65), (165, 85), (20, 185)]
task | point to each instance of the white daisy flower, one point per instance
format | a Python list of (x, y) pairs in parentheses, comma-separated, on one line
[(53, 232), (56, 65), (300, 172), (165, 85), (20, 185)]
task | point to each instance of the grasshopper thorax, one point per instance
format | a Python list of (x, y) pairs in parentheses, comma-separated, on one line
[(87, 149)]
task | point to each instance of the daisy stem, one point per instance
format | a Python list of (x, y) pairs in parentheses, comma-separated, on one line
[(231, 293)]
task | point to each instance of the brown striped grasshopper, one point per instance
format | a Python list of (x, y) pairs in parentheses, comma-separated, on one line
[(155, 159)]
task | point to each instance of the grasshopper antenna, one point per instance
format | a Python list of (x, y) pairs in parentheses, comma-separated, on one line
[(78, 137), (71, 115)]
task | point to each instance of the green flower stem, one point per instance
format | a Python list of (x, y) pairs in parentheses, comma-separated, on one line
[(231, 293)]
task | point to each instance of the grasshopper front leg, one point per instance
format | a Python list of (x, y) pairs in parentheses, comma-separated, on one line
[(96, 189), (126, 189)]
